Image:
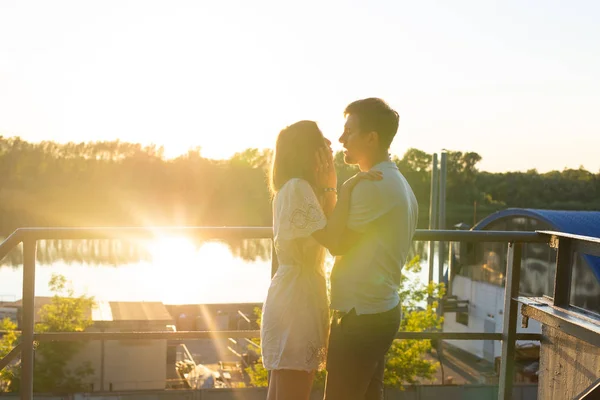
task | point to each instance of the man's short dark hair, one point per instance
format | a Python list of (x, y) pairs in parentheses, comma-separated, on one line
[(375, 115)]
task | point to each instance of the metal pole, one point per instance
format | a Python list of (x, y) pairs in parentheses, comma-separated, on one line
[(450, 260), (102, 356), (274, 266), (442, 220), (441, 252), (509, 329), (27, 319), (433, 199)]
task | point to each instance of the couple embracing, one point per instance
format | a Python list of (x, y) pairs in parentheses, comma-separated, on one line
[(368, 224)]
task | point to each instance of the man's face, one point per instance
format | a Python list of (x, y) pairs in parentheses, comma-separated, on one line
[(355, 143)]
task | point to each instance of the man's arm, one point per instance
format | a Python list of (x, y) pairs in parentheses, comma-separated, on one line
[(340, 234), (335, 236), (347, 241), (369, 204)]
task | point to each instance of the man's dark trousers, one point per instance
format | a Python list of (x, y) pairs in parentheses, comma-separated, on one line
[(356, 354)]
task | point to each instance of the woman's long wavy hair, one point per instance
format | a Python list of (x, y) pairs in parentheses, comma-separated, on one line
[(295, 153)]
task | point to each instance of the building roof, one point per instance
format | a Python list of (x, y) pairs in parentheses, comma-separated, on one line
[(585, 223), (139, 311), (113, 310)]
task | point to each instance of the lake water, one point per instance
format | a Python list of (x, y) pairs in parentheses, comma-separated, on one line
[(174, 270)]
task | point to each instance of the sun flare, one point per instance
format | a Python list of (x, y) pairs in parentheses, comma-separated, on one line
[(171, 249)]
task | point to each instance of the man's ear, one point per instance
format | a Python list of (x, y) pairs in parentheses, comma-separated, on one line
[(373, 138)]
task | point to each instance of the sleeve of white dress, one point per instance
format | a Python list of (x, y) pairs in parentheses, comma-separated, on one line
[(297, 212)]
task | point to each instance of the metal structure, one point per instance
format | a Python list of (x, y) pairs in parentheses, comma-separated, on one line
[(567, 325), (441, 220), (30, 236), (433, 202)]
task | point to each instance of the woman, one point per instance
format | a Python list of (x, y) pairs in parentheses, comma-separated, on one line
[(307, 215)]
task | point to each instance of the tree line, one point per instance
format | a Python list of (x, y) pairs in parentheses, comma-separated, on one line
[(114, 183)]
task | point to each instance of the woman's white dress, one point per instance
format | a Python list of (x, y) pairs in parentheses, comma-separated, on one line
[(295, 317)]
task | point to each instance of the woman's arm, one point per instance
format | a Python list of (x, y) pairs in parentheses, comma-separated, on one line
[(328, 201), (331, 236), (336, 208)]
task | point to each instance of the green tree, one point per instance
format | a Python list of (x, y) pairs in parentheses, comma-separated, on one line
[(53, 372), (117, 183), (405, 361), (257, 372), (7, 342)]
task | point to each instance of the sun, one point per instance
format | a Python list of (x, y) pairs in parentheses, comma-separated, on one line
[(167, 250)]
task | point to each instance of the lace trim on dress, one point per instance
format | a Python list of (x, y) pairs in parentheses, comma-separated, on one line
[(316, 355), (302, 217)]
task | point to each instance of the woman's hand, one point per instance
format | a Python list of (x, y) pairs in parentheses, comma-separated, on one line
[(373, 175), (325, 169)]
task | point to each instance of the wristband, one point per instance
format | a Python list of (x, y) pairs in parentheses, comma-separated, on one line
[(330, 189)]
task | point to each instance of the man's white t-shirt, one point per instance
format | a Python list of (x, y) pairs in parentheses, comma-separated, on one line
[(385, 212)]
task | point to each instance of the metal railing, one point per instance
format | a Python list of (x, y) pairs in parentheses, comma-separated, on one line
[(30, 236)]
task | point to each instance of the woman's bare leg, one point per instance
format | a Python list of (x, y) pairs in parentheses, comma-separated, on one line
[(287, 384)]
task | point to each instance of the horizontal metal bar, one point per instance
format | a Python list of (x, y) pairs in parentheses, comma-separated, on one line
[(221, 232), (181, 335), (479, 236), (189, 335), (10, 356), (258, 233), (463, 336)]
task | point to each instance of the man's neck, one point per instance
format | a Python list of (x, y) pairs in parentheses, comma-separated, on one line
[(370, 162)]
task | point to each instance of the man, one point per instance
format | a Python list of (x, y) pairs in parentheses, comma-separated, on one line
[(365, 280)]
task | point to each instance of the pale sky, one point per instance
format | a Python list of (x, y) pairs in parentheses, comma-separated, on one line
[(516, 81)]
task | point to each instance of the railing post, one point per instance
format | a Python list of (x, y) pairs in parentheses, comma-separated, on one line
[(450, 272), (27, 319), (441, 223), (509, 329), (433, 201), (562, 278)]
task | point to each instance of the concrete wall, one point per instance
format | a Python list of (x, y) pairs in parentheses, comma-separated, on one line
[(474, 392), (567, 365)]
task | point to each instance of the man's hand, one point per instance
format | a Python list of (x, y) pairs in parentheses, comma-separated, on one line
[(373, 175)]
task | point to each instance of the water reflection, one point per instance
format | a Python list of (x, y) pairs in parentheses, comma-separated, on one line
[(124, 252), (173, 269)]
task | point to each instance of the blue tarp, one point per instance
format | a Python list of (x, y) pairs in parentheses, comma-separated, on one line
[(585, 223)]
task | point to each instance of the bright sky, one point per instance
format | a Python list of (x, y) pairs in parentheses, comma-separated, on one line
[(516, 81)]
